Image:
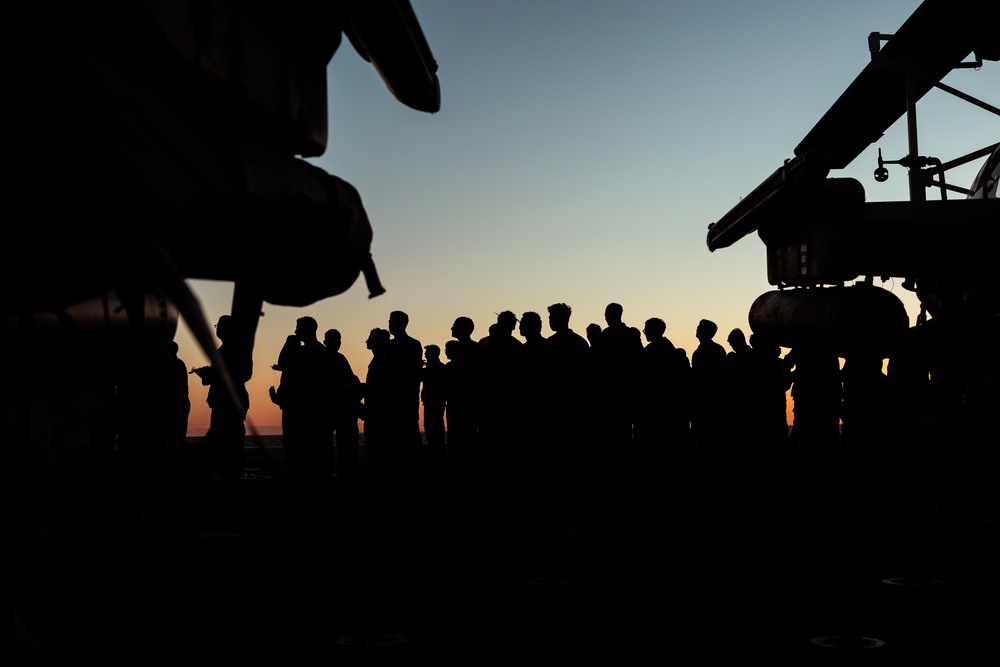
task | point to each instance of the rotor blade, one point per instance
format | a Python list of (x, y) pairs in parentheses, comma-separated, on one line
[(931, 42), (388, 35)]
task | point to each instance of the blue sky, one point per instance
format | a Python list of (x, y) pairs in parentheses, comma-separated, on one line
[(581, 150)]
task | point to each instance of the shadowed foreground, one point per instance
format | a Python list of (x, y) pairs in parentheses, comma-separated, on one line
[(664, 564)]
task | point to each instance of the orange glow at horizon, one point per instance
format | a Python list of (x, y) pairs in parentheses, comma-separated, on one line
[(265, 416)]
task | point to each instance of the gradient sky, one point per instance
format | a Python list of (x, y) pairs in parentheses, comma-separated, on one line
[(581, 151)]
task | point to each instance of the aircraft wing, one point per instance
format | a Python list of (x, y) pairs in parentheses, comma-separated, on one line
[(935, 39)]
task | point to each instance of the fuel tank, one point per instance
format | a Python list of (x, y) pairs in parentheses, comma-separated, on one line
[(844, 320)]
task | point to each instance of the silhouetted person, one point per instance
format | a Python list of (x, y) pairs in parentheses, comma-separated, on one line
[(660, 419), (345, 406), (433, 397), (304, 398), (533, 436), (407, 355), (816, 396), (864, 410), (615, 355), (179, 408), (685, 403), (227, 426), (775, 382), (461, 405), (500, 369), (593, 334), (911, 363), (461, 331), (742, 400), (567, 372), (708, 367), (381, 442), (530, 329)]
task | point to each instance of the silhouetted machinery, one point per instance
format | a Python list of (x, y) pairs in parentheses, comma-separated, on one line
[(821, 233), (146, 143)]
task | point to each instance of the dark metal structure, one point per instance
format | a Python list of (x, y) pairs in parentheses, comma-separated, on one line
[(821, 233), (146, 143)]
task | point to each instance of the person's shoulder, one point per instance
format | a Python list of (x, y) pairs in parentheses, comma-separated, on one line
[(663, 343), (514, 342), (314, 349)]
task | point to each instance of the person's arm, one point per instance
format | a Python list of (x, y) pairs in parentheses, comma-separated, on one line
[(205, 373)]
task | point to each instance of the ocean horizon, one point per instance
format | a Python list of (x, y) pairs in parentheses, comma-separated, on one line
[(269, 440)]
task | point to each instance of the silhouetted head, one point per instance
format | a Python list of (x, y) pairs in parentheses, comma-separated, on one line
[(332, 339), (462, 328), (737, 339), (306, 328), (765, 345), (654, 328), (531, 324), (559, 316), (706, 330), (378, 339), (224, 326), (432, 352), (613, 313), (398, 320), (593, 333), (453, 350), (507, 321)]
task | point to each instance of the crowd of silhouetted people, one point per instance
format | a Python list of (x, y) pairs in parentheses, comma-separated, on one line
[(517, 404)]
